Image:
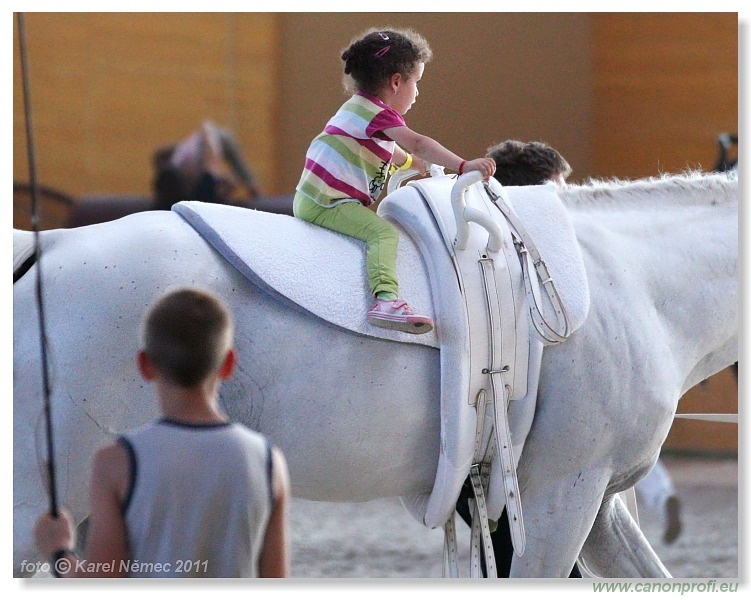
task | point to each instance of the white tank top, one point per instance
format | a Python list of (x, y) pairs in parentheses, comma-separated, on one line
[(199, 500)]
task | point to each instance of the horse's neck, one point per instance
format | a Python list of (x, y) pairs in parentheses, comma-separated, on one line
[(706, 300), (689, 267), (679, 260)]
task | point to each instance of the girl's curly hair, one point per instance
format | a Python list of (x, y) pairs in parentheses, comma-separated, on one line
[(374, 56)]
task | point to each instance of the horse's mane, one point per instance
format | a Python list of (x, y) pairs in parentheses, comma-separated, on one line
[(699, 186)]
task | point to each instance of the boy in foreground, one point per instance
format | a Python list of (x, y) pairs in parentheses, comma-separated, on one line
[(191, 494)]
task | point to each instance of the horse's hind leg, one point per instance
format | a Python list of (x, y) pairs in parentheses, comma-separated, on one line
[(616, 547)]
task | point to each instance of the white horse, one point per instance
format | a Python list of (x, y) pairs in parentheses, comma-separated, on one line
[(358, 417)]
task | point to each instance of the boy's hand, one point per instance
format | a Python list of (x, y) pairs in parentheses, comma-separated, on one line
[(485, 165), (54, 533)]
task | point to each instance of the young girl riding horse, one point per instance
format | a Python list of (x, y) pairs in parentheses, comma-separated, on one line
[(347, 164)]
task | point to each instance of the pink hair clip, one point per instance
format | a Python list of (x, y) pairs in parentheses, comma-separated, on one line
[(384, 36), (382, 51)]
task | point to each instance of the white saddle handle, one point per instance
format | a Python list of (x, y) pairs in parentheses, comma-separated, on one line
[(465, 214)]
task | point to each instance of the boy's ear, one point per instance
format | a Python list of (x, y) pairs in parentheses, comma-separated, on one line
[(228, 366), (145, 366)]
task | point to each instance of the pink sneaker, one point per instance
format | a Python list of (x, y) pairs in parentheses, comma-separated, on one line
[(396, 314)]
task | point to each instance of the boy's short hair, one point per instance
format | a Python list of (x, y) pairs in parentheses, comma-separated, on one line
[(527, 163), (187, 333)]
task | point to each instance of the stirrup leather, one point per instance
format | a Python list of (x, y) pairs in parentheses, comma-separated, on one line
[(529, 254)]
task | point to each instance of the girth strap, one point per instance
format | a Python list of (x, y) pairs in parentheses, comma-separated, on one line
[(500, 394)]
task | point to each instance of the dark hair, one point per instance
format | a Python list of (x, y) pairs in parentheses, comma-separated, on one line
[(187, 334), (374, 56), (530, 163), (169, 184), (163, 156)]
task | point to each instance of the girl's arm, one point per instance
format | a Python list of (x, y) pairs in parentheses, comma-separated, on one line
[(433, 152), (400, 157)]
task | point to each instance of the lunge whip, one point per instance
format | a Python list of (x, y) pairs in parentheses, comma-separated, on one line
[(51, 484)]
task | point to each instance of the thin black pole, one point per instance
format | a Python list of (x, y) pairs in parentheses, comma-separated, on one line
[(52, 487)]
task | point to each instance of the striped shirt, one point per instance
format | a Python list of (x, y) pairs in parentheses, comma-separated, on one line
[(349, 160)]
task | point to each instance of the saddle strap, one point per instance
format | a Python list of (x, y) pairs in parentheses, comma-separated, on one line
[(450, 554), (479, 477), (501, 392), (481, 542), (480, 524), (480, 537), (547, 334), (528, 250)]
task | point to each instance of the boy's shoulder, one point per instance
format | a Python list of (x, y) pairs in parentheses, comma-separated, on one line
[(248, 432)]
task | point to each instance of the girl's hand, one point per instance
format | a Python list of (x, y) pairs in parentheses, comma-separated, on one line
[(420, 165), (485, 165)]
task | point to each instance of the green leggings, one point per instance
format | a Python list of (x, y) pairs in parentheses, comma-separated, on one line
[(357, 221)]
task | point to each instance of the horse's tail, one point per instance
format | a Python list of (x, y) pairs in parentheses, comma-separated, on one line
[(23, 253)]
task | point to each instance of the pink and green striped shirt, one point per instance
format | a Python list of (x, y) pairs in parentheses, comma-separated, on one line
[(349, 160)]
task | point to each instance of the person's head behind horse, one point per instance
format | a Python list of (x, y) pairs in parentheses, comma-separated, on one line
[(373, 57), (169, 184), (187, 334), (528, 163)]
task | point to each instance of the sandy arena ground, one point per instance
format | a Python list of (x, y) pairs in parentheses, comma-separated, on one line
[(380, 539), (346, 543)]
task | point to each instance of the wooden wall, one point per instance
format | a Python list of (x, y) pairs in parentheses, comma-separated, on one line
[(108, 89), (718, 394), (665, 85)]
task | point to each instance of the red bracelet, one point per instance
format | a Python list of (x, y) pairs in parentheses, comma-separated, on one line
[(461, 167)]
